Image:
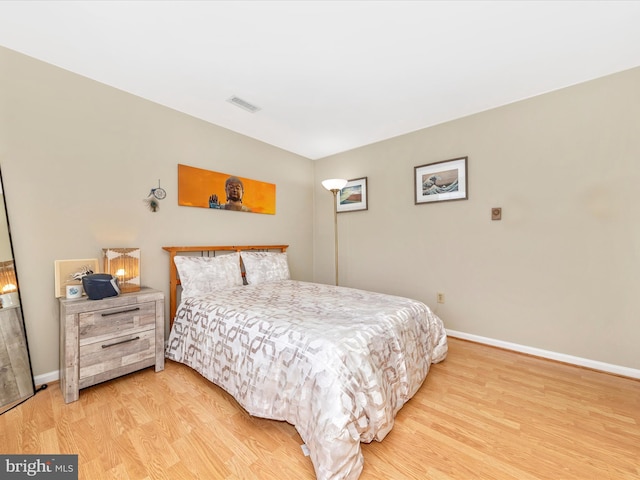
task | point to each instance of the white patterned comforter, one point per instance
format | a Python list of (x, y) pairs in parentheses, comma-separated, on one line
[(335, 362)]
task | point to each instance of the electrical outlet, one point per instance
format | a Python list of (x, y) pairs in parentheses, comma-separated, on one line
[(440, 297)]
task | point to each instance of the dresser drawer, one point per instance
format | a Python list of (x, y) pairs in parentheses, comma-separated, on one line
[(116, 356), (116, 321)]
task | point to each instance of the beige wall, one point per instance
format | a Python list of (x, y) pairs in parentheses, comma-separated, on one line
[(559, 272), (79, 157)]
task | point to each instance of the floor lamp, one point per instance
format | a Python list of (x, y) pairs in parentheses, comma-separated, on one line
[(334, 185)]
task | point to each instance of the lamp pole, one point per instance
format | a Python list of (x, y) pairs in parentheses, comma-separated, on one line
[(335, 226)]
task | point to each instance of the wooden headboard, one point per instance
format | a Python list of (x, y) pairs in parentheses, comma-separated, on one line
[(209, 251)]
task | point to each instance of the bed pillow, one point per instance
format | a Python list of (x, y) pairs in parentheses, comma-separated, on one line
[(265, 267), (202, 275)]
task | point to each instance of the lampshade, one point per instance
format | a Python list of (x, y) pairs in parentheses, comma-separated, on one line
[(8, 282), (124, 264), (334, 184)]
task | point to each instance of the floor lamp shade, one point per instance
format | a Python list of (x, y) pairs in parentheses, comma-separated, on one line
[(334, 184), (124, 264)]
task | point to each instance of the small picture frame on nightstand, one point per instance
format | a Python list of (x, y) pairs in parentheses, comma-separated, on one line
[(66, 269)]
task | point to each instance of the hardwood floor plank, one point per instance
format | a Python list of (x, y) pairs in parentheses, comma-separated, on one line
[(195, 452), (131, 465), (484, 413), (48, 440)]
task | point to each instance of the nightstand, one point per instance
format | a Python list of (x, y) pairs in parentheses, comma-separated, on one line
[(104, 339)]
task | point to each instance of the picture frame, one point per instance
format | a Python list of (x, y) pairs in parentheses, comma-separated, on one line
[(64, 270), (441, 181), (198, 187), (354, 196)]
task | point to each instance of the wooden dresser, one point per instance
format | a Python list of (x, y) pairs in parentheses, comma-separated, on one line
[(104, 339)]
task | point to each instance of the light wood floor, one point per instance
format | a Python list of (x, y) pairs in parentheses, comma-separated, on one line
[(483, 413)]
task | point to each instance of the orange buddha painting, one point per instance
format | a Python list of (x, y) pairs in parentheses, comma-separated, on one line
[(207, 189)]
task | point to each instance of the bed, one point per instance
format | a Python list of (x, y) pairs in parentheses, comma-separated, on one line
[(337, 363)]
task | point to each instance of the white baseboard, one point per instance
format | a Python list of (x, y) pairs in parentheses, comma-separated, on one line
[(560, 357), (47, 377)]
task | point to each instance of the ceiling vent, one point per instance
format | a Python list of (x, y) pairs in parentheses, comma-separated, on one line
[(237, 101)]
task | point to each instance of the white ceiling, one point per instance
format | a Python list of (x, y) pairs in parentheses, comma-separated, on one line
[(329, 76)]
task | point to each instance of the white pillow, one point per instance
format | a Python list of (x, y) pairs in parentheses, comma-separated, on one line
[(264, 267), (203, 275)]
